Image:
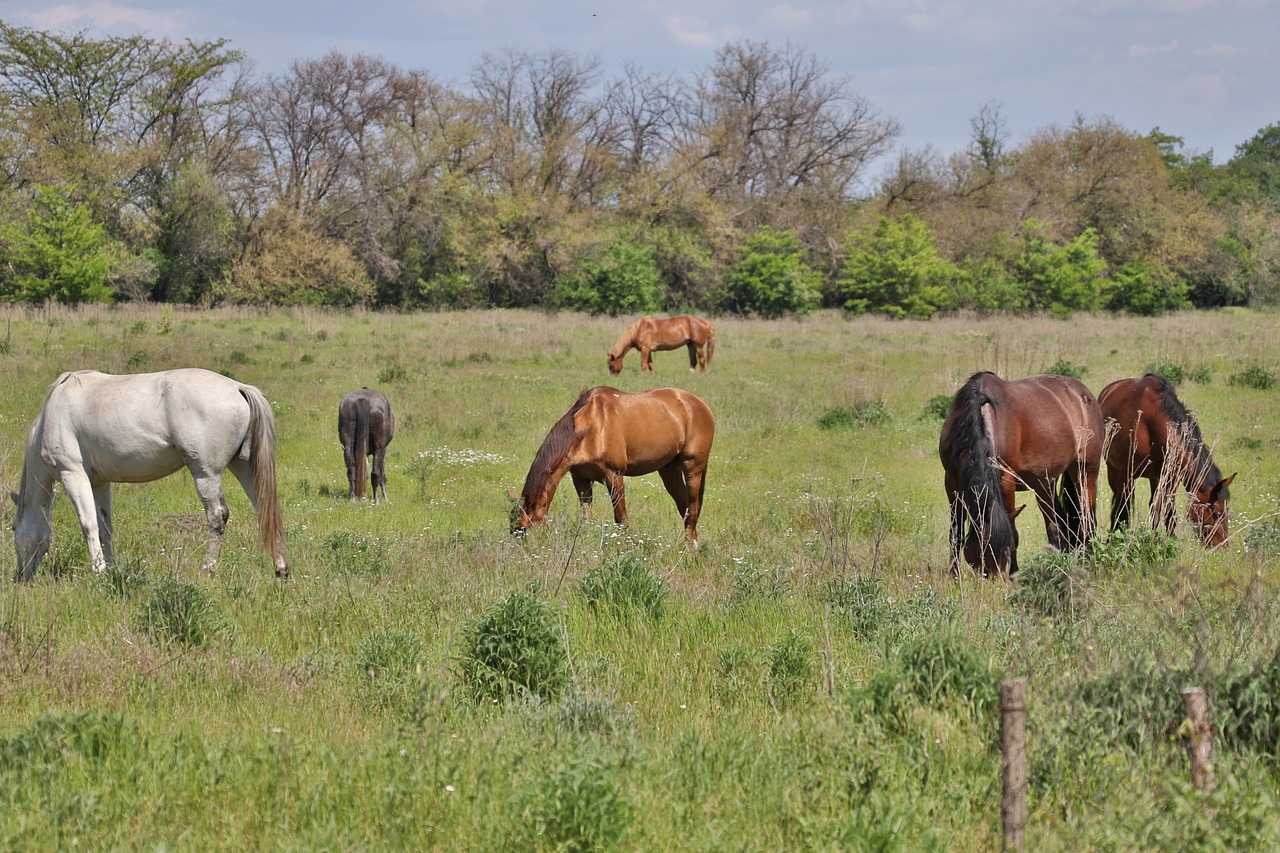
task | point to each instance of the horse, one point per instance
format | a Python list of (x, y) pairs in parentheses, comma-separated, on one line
[(366, 426), (609, 434), (648, 334), (96, 429), (1002, 437), (1157, 438)]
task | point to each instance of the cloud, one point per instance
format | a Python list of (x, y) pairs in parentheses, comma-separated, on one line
[(108, 17), (1150, 50), (1220, 50), (697, 32), (785, 16)]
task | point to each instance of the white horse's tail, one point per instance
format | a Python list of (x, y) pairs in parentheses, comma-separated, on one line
[(262, 460)]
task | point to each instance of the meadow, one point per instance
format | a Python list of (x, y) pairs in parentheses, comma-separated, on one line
[(811, 678)]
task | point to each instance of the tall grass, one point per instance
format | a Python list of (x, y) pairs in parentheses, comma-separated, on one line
[(812, 677)]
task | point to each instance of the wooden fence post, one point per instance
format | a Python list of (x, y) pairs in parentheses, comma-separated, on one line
[(1199, 738), (1013, 760)]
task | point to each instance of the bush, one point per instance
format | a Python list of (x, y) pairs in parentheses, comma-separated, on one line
[(624, 280), (1062, 367), (178, 611), (1061, 278), (938, 407), (624, 584), (864, 413), (1253, 377), (513, 649), (1134, 289), (386, 665), (579, 804), (58, 254), (771, 277), (894, 269), (790, 667), (861, 602), (1170, 370)]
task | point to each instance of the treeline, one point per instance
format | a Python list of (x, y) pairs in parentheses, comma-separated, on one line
[(140, 169)]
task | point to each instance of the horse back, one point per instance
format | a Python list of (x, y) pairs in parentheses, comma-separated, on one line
[(1136, 406), (1045, 424), (638, 433)]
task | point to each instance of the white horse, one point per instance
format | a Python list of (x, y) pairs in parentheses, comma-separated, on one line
[(96, 429)]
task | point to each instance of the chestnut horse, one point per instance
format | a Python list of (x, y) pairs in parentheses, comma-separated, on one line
[(1158, 439), (1003, 437), (648, 334), (366, 426), (607, 435)]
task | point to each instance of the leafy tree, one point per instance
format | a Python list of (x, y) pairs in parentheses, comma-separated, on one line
[(1258, 162), (771, 277), (1135, 289), (1061, 278), (293, 265), (59, 253), (894, 268), (623, 279)]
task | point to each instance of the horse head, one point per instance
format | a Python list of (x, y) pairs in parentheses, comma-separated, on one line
[(1207, 511), (615, 362), (994, 554), (32, 535), (522, 519)]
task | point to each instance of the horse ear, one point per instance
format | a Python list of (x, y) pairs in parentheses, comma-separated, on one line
[(1227, 482), (15, 496), (511, 496), (1017, 512)]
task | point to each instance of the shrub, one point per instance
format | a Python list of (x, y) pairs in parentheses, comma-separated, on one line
[(864, 413), (58, 254), (1050, 584), (1201, 375), (1135, 289), (624, 584), (1170, 370), (840, 417), (790, 667), (771, 277), (178, 611), (861, 602), (1062, 367), (1061, 278), (1253, 377), (938, 407), (1251, 696), (623, 280), (386, 665), (893, 268), (513, 649), (1264, 538), (579, 804)]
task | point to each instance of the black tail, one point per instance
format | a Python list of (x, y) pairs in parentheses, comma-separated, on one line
[(361, 449), (1071, 512)]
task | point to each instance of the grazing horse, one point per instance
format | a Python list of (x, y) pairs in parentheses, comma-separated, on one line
[(366, 426), (96, 429), (1157, 438), (608, 434), (648, 334), (1002, 437)]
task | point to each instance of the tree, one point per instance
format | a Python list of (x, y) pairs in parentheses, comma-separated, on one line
[(621, 279), (771, 277), (58, 254), (893, 268), (1061, 278), (1258, 162)]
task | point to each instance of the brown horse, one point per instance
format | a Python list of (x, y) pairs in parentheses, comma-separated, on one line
[(1158, 439), (648, 334), (366, 426), (608, 434), (1003, 437)]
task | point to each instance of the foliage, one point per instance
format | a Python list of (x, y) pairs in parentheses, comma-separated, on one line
[(770, 277), (1170, 370), (1135, 289), (1254, 376), (624, 584), (513, 650), (789, 667), (624, 280), (938, 407), (1060, 278), (294, 265), (176, 611), (577, 804), (861, 602), (1062, 367), (895, 269), (386, 665), (58, 254), (864, 413)]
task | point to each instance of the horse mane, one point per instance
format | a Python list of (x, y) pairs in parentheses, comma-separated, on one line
[(979, 476), (1173, 409), (554, 447), (626, 339)]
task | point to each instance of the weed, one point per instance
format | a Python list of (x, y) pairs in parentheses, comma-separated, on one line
[(861, 602), (386, 665), (392, 372), (1201, 375), (938, 407), (1253, 376), (1168, 369), (624, 584), (513, 649), (178, 612), (790, 669), (1062, 367), (577, 804)]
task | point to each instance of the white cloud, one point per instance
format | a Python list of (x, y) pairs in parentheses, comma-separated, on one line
[(108, 17), (1148, 50), (697, 32), (1220, 50), (785, 16)]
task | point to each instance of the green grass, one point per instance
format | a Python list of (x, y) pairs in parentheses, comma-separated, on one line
[(812, 678)]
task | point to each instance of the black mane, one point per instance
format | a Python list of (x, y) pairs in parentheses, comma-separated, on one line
[(553, 449), (1204, 469), (979, 476)]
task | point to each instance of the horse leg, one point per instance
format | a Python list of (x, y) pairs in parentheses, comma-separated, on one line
[(646, 359), (1121, 483), (106, 529), (693, 356), (1048, 503), (582, 485), (1162, 500), (695, 481), (673, 477), (81, 494), (216, 513), (379, 472), (618, 494)]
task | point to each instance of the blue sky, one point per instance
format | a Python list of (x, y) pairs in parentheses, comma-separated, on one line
[(1205, 71)]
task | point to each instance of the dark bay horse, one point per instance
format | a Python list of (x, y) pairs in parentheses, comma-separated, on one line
[(1157, 438), (96, 429), (366, 426), (648, 334), (1002, 437), (607, 435)]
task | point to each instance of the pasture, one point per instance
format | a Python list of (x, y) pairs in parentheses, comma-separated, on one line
[(811, 678)]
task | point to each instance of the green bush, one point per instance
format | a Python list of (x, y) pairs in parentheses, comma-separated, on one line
[(1253, 377), (861, 602), (578, 804), (386, 665), (1170, 370), (178, 611), (864, 413), (623, 280), (790, 667), (894, 269), (59, 253), (1135, 289), (1062, 367), (513, 649), (624, 584), (1250, 697), (1061, 278), (938, 407), (771, 277)]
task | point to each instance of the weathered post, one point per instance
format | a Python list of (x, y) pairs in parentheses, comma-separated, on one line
[(1013, 760), (1199, 737)]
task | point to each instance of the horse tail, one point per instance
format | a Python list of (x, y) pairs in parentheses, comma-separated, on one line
[(262, 461), (711, 342), (361, 447), (980, 476)]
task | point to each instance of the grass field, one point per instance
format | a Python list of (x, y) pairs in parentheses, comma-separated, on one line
[(812, 678)]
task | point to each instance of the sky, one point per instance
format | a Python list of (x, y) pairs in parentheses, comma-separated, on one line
[(1203, 70)]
